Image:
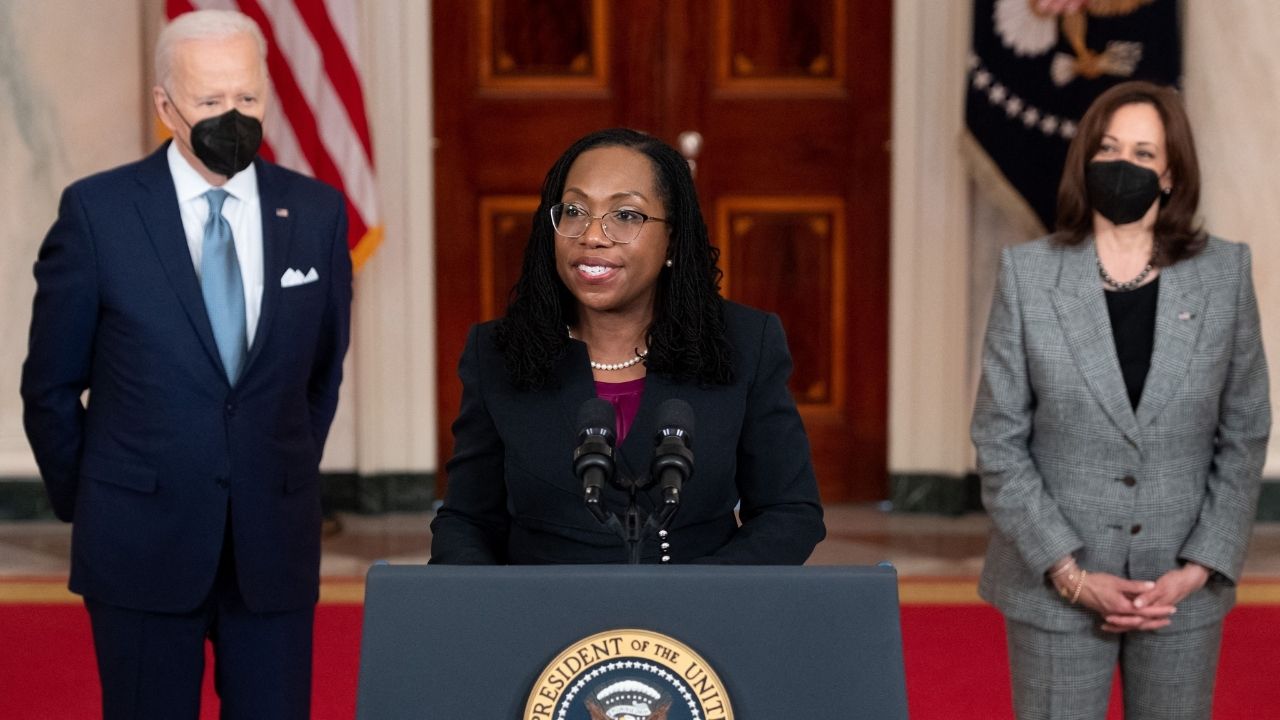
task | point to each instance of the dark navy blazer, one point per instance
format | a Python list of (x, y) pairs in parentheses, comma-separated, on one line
[(513, 497), (163, 448)]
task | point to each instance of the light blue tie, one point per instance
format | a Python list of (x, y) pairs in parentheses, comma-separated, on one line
[(223, 288)]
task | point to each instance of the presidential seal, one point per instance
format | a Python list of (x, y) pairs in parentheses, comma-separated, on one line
[(628, 675)]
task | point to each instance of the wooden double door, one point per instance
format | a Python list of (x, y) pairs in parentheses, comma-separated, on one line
[(783, 106)]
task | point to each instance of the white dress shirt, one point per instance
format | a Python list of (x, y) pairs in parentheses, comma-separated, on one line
[(243, 211)]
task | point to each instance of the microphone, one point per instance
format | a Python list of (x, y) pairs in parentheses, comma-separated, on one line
[(673, 456), (593, 458)]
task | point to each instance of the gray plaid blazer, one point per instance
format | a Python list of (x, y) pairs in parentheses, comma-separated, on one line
[(1067, 465)]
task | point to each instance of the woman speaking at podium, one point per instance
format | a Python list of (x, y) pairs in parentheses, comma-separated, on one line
[(618, 298)]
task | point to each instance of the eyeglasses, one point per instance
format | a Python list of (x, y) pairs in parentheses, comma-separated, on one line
[(571, 220)]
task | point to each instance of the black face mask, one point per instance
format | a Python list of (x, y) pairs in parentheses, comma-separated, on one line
[(1120, 190), (225, 143)]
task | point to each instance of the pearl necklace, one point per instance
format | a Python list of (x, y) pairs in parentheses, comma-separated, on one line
[(1124, 286), (640, 356)]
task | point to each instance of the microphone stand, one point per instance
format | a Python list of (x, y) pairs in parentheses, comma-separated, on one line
[(634, 528), (633, 524)]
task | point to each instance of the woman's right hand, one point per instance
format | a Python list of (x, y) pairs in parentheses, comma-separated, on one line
[(1112, 598)]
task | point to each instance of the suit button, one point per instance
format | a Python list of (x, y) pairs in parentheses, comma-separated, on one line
[(231, 408), (1135, 529), (1129, 480), (222, 482), (662, 534), (666, 558), (664, 546)]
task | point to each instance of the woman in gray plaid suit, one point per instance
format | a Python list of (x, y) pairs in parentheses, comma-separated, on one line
[(1121, 426)]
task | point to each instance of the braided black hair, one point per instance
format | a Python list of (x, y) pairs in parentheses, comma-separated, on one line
[(687, 338)]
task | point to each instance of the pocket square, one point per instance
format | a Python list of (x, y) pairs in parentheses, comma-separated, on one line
[(294, 278)]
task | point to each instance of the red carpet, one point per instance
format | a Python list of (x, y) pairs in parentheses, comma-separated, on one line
[(47, 670), (955, 657), (958, 668)]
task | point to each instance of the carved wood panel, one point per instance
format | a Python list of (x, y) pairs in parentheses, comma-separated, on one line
[(505, 223), (780, 46), (787, 254), (545, 46)]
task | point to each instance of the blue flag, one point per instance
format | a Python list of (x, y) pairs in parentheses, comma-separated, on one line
[(1032, 75)]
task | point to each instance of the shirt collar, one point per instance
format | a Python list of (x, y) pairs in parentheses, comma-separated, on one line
[(189, 184)]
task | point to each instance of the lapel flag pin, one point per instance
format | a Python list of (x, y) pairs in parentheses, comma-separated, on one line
[(282, 212), (1184, 315)]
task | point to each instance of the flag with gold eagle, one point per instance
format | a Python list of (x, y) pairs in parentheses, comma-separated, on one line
[(317, 124), (1035, 67)]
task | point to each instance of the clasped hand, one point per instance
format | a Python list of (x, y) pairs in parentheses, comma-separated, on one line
[(1140, 604)]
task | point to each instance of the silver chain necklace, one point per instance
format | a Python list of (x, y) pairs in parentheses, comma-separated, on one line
[(1128, 285), (640, 356)]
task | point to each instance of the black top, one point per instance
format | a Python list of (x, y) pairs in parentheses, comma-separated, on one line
[(1133, 322)]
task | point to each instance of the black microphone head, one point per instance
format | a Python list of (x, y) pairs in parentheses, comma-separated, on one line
[(597, 417), (675, 417)]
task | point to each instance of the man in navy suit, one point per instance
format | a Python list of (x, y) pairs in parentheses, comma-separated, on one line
[(201, 296)]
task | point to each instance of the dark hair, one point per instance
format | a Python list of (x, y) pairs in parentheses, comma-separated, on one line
[(1177, 234), (687, 338)]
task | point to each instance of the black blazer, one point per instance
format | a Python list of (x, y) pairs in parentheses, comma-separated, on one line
[(166, 448), (513, 497)]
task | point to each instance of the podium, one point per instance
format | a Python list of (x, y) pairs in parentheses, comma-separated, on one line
[(498, 643)]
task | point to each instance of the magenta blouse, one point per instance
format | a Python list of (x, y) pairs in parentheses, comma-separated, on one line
[(625, 398)]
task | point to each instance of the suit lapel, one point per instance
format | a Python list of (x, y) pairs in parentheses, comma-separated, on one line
[(575, 385), (158, 208), (277, 236), (1179, 314), (1082, 313)]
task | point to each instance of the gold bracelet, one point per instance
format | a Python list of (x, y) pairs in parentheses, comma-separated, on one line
[(1079, 586), (1066, 567)]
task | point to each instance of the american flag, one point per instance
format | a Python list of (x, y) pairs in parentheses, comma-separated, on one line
[(316, 124)]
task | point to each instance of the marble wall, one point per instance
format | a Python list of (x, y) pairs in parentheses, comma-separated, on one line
[(61, 117), (1232, 85), (929, 323)]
